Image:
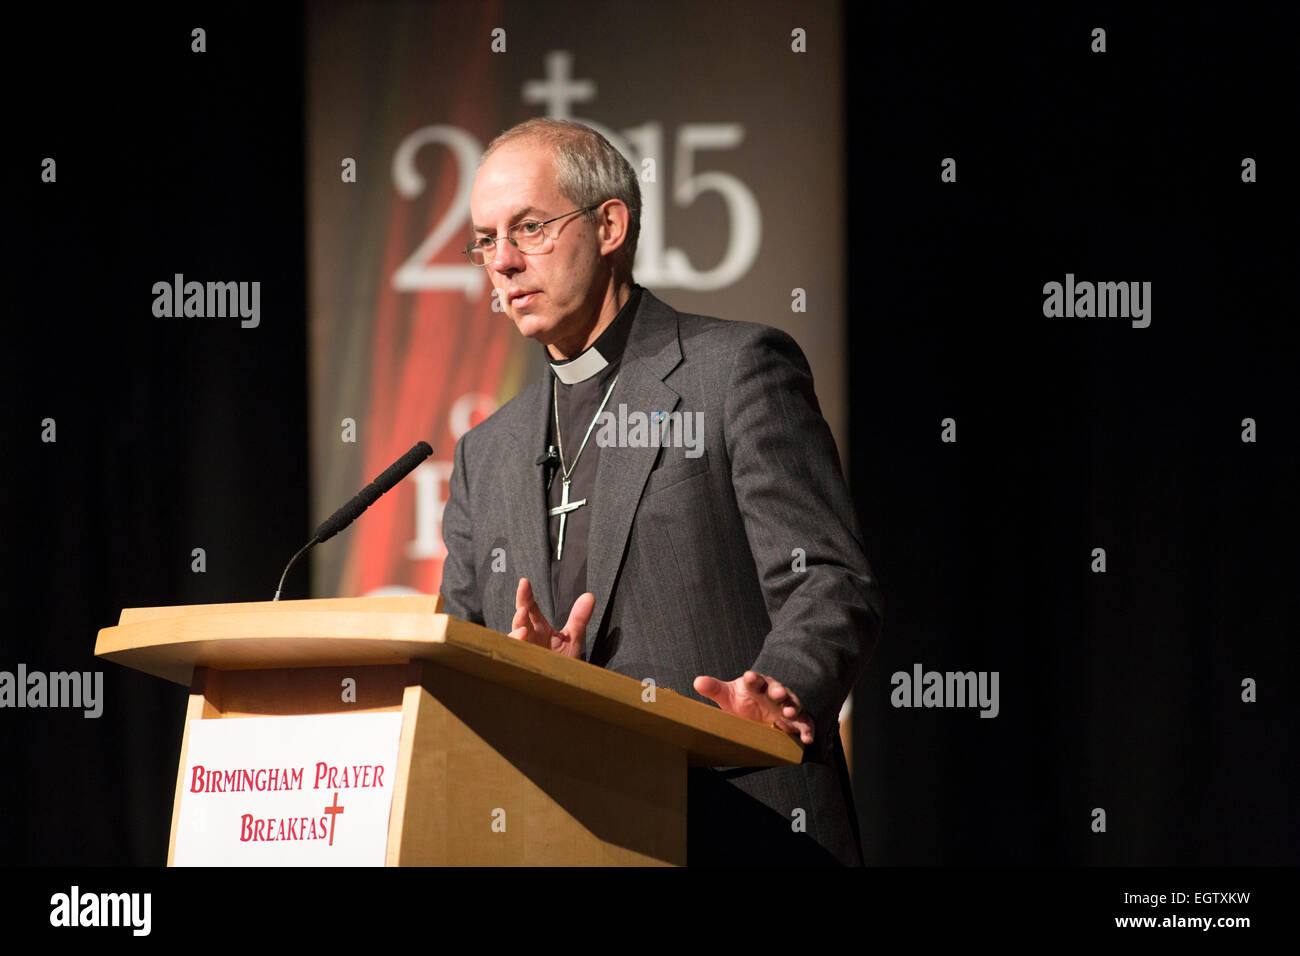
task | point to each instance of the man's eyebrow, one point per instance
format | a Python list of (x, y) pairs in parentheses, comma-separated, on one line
[(513, 219)]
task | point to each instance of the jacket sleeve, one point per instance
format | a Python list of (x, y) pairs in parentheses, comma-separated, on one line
[(459, 588), (822, 598)]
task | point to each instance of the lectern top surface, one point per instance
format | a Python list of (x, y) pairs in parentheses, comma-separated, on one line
[(170, 642)]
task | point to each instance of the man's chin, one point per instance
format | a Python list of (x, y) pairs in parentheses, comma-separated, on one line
[(532, 326)]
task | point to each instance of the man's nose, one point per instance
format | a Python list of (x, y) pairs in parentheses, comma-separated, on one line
[(508, 259)]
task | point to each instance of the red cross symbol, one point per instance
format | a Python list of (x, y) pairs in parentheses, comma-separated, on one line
[(333, 811)]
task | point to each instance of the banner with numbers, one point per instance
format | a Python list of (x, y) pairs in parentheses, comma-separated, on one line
[(734, 123)]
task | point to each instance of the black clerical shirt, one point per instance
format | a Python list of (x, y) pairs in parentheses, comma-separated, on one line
[(580, 385)]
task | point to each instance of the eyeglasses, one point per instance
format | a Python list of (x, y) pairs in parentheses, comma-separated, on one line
[(526, 236)]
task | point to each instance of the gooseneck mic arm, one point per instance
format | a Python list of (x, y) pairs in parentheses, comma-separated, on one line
[(366, 497)]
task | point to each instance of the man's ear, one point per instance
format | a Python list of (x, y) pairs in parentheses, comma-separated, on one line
[(613, 226)]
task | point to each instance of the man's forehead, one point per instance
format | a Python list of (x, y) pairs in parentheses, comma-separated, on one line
[(513, 182)]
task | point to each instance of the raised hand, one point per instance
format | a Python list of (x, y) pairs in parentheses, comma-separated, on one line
[(530, 624)]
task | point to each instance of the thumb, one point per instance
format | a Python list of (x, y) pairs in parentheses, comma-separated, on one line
[(576, 626), (712, 688)]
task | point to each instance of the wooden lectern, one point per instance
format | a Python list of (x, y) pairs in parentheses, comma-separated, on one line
[(592, 768)]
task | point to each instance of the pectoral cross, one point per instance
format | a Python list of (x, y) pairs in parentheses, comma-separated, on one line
[(563, 509)]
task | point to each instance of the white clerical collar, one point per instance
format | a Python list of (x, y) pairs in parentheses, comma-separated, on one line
[(581, 368), (613, 338)]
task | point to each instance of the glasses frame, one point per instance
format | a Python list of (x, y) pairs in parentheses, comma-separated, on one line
[(510, 236)]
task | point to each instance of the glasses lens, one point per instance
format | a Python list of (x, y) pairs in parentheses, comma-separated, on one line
[(477, 254), (528, 235)]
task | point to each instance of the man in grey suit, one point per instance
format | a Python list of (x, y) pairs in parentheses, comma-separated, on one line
[(712, 546)]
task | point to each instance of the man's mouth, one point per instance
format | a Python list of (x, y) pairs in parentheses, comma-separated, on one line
[(519, 299)]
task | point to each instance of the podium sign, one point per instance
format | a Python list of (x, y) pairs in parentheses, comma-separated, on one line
[(311, 790)]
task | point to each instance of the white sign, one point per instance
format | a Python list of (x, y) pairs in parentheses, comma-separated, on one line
[(288, 791)]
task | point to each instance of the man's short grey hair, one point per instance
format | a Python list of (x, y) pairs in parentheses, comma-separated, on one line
[(588, 170)]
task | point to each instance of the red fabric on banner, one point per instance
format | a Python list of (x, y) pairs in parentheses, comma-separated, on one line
[(428, 349)]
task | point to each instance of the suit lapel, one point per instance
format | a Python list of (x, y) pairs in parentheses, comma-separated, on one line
[(527, 503), (652, 351)]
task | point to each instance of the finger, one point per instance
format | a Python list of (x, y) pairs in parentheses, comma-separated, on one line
[(781, 694), (803, 725), (800, 730), (754, 682), (575, 628), (528, 623), (789, 701), (538, 621), (526, 604)]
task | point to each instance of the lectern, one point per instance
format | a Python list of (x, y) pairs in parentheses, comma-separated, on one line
[(507, 753)]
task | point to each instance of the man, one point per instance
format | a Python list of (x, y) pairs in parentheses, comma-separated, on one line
[(723, 560)]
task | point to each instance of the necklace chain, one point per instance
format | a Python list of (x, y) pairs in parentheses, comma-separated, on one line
[(555, 406)]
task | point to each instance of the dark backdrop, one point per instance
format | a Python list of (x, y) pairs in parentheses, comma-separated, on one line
[(1119, 691), (172, 434)]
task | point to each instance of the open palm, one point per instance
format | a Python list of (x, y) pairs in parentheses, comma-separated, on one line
[(758, 697)]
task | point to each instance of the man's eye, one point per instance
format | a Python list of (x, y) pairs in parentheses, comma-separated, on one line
[(530, 228), (482, 242)]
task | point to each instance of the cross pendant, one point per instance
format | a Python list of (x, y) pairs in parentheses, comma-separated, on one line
[(563, 509)]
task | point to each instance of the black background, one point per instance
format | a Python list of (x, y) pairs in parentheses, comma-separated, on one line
[(1118, 690)]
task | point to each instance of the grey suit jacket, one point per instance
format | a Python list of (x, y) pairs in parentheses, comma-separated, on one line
[(747, 556)]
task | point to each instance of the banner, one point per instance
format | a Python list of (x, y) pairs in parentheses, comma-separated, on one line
[(743, 202)]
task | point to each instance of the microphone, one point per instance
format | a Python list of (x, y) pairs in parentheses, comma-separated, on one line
[(366, 497), (552, 461)]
